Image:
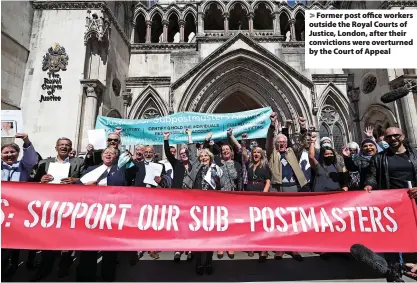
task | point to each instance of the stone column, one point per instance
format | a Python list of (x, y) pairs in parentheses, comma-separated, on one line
[(251, 16), (148, 31), (226, 23), (132, 33), (354, 99), (182, 24), (92, 89), (277, 24), (409, 107), (292, 29), (127, 101), (200, 20), (165, 23)]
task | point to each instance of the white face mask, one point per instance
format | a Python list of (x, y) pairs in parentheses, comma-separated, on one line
[(148, 160)]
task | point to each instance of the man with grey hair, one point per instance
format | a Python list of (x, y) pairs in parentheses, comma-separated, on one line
[(286, 172)]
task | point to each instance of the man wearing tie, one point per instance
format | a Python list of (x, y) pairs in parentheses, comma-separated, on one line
[(76, 169), (143, 175)]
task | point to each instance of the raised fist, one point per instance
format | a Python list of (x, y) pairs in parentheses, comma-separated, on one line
[(273, 117), (22, 136), (230, 132), (118, 130), (90, 148), (209, 136), (244, 136), (188, 131), (166, 135)]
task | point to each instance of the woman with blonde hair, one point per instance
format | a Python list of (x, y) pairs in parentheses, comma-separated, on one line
[(205, 175), (259, 179)]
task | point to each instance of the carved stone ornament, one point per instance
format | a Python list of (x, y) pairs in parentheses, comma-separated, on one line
[(56, 59), (97, 27), (151, 113), (329, 115), (127, 98)]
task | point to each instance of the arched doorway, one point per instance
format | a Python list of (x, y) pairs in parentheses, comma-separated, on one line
[(239, 101)]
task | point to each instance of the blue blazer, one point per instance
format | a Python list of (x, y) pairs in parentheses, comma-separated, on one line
[(116, 177)]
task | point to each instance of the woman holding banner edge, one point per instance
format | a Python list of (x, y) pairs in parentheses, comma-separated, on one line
[(205, 175)]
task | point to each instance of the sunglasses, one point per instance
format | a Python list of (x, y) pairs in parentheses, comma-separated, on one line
[(396, 136), (112, 140)]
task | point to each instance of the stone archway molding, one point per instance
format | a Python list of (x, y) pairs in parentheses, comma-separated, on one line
[(141, 102), (113, 113), (378, 113), (332, 96)]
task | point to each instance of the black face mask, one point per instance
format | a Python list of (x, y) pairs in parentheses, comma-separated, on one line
[(329, 160)]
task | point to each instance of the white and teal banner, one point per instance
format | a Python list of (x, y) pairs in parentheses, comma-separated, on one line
[(151, 131)]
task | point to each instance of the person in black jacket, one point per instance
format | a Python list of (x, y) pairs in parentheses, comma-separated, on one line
[(111, 176), (182, 168), (395, 168), (93, 157)]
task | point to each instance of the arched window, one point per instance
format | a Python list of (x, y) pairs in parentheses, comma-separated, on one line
[(263, 19), (299, 27), (284, 21), (338, 140), (173, 27), (140, 29), (189, 27), (238, 18), (213, 19), (157, 28), (330, 126), (324, 130)]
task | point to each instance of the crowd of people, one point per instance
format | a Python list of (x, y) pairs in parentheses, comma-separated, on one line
[(290, 162)]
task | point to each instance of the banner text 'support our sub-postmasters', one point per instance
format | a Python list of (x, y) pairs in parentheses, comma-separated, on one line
[(151, 131), (46, 217)]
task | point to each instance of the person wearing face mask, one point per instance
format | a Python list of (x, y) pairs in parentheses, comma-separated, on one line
[(205, 175), (108, 175), (394, 168), (286, 173), (182, 168), (357, 162), (14, 170), (329, 174), (77, 168)]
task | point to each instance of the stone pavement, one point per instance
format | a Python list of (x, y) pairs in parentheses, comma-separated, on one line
[(240, 269)]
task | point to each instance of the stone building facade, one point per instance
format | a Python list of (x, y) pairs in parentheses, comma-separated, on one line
[(133, 60)]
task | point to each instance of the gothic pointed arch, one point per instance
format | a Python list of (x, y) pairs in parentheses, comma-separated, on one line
[(189, 9), (298, 9), (149, 104), (267, 4), (380, 117), (206, 5), (268, 81), (156, 10), (113, 113), (284, 9), (231, 4), (333, 114), (141, 11), (173, 9)]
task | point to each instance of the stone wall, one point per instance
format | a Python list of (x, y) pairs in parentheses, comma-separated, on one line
[(47, 121), (16, 27)]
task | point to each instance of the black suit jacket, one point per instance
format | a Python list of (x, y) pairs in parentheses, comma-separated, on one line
[(137, 173), (115, 177), (95, 159), (177, 166), (77, 168)]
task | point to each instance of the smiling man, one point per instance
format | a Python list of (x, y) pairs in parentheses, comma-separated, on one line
[(63, 148), (93, 156)]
